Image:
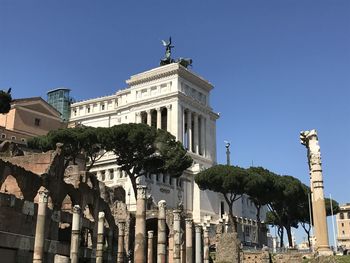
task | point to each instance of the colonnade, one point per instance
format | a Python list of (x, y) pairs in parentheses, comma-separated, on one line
[(182, 249), (159, 117)]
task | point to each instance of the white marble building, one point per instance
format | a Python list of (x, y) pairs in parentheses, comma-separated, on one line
[(174, 98)]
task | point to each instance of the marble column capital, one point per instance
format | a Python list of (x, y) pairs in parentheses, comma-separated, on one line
[(189, 222), (43, 196), (150, 234), (76, 209), (162, 205), (141, 191)]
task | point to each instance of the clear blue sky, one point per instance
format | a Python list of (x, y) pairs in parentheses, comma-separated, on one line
[(278, 67)]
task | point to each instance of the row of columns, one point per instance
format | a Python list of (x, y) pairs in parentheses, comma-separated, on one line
[(140, 236), (192, 131), (148, 114)]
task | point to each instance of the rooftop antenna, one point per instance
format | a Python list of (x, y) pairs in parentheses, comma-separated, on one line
[(227, 145)]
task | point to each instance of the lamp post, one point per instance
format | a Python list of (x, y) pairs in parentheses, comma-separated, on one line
[(227, 145)]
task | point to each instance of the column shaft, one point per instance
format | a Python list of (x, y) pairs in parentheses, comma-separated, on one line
[(198, 230), (149, 118), (161, 242), (121, 234), (189, 246), (40, 227), (75, 237), (140, 228), (159, 118), (195, 133), (189, 130), (206, 245), (177, 234), (100, 230), (168, 119), (150, 247), (202, 143)]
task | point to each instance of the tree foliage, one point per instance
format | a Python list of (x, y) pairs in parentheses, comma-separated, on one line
[(139, 149), (5, 101)]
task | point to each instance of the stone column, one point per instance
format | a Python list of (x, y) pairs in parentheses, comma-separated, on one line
[(202, 142), (149, 118), (189, 130), (40, 227), (138, 117), (195, 133), (161, 242), (150, 247), (159, 118), (100, 230), (168, 121), (180, 124), (75, 237), (310, 140), (140, 228), (121, 234), (177, 236), (198, 230), (206, 245), (189, 247)]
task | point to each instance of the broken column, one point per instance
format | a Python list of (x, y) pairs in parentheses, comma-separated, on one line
[(40, 227), (177, 236), (100, 230), (150, 247), (74, 245), (189, 247), (198, 230), (206, 245), (140, 228), (161, 242), (310, 140), (121, 234)]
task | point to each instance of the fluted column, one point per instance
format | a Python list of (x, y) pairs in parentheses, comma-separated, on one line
[(161, 242), (202, 131), (100, 231), (189, 246), (140, 228), (150, 247), (189, 130), (168, 116), (206, 245), (149, 118), (40, 227), (75, 237), (121, 234), (159, 118), (198, 230), (195, 133), (177, 234)]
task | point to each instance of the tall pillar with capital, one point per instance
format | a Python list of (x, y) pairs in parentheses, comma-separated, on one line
[(75, 237), (140, 228), (198, 230), (40, 227), (100, 238), (121, 234), (161, 242), (195, 134), (189, 130), (177, 236), (206, 245), (310, 140), (149, 117), (150, 247), (189, 236), (159, 118)]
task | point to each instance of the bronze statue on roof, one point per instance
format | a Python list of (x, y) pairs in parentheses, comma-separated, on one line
[(185, 62)]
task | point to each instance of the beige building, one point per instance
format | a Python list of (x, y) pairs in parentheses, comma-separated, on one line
[(343, 226), (28, 117)]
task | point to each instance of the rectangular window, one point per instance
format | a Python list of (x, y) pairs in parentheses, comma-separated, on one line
[(13, 138), (3, 136), (102, 107), (37, 122)]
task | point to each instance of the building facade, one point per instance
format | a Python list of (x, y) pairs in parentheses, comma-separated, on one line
[(173, 98), (28, 117), (343, 226)]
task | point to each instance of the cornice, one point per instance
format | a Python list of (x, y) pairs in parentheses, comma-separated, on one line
[(169, 70)]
